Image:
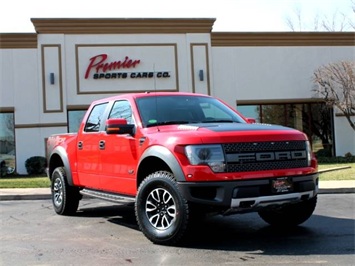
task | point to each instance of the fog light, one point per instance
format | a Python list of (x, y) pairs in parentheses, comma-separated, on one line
[(217, 167)]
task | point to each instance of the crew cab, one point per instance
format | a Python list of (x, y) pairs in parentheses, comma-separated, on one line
[(176, 156)]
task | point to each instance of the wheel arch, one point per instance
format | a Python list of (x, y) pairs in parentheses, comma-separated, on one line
[(59, 157), (158, 158)]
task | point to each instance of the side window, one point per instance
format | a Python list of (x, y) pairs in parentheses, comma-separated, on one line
[(95, 118), (122, 109)]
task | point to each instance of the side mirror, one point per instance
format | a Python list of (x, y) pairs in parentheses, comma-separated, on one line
[(119, 126), (250, 120)]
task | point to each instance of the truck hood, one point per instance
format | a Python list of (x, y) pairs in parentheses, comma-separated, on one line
[(228, 132)]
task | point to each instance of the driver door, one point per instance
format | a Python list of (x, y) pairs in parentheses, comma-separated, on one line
[(119, 155)]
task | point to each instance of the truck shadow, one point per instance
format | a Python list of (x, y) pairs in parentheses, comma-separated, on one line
[(118, 214), (247, 232)]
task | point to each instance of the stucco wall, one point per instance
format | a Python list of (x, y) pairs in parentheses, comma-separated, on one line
[(277, 73), (264, 73)]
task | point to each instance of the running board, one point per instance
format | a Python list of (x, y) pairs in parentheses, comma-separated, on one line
[(107, 196)]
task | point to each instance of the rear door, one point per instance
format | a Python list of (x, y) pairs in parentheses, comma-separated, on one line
[(88, 147)]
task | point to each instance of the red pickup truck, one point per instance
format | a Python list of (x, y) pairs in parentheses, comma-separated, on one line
[(177, 156)]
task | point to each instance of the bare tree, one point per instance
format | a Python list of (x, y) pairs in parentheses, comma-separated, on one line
[(339, 21), (352, 22), (335, 83), (298, 23)]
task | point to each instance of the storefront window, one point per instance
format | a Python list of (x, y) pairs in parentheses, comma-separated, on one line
[(7, 143), (314, 119), (273, 114), (74, 120)]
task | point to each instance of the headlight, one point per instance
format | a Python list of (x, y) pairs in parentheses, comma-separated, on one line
[(309, 153), (211, 155)]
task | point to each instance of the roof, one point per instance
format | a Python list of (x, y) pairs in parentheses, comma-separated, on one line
[(122, 25), (147, 94)]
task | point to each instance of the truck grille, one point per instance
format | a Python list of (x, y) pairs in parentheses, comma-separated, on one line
[(258, 156)]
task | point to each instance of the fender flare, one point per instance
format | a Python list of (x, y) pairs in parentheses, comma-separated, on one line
[(61, 152), (168, 157)]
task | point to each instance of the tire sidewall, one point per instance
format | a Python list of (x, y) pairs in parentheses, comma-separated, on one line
[(58, 175), (173, 232)]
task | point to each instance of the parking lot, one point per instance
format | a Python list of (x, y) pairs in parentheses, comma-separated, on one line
[(106, 234)]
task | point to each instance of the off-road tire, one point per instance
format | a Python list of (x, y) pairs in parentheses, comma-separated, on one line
[(65, 198), (289, 215), (162, 212)]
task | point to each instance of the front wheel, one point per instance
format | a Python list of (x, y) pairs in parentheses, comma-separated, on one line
[(289, 215), (162, 212), (65, 198)]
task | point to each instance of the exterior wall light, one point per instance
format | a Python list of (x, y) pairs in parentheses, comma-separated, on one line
[(200, 74), (51, 78)]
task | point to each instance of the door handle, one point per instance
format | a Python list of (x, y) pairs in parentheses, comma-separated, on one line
[(80, 145), (102, 144)]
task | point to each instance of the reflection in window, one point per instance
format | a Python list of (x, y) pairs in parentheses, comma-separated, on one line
[(74, 120), (214, 112), (95, 118), (7, 143), (122, 109)]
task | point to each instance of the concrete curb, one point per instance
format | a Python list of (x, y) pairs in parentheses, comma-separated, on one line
[(336, 190), (325, 187), (25, 197)]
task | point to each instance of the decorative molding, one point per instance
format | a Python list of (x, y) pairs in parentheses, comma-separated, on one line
[(278, 101), (122, 25), (44, 74), (78, 78), (18, 41), (207, 66), (7, 109), (282, 39), (40, 125), (78, 107)]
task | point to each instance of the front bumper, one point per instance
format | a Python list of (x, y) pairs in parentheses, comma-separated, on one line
[(244, 195)]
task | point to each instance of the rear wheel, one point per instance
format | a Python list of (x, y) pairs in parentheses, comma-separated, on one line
[(65, 198), (289, 215), (162, 212)]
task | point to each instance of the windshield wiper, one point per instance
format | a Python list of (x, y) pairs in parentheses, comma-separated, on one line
[(163, 123)]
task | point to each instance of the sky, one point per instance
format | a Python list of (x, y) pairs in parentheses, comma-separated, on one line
[(230, 15)]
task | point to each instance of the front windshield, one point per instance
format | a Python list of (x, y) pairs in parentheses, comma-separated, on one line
[(179, 109)]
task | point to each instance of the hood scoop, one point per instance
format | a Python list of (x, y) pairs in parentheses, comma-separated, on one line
[(188, 127)]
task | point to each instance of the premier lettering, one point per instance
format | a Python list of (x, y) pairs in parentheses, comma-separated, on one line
[(99, 63)]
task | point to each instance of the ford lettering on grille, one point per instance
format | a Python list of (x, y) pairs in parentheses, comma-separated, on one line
[(266, 156), (258, 156)]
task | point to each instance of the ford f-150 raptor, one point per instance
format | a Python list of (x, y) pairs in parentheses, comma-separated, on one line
[(173, 155)]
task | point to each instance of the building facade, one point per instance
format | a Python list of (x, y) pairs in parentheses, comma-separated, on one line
[(49, 78)]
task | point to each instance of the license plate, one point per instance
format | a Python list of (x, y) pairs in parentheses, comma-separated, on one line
[(281, 185)]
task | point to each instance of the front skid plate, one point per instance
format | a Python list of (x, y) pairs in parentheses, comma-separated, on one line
[(271, 200)]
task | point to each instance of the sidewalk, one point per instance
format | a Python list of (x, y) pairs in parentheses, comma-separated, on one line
[(325, 187)]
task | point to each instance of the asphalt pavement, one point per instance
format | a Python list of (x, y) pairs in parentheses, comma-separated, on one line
[(325, 187)]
